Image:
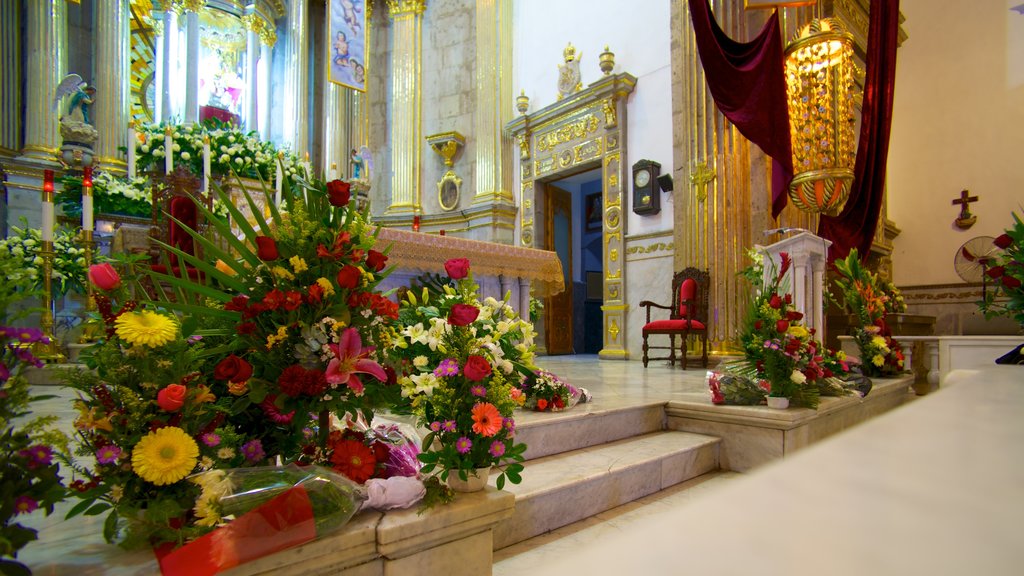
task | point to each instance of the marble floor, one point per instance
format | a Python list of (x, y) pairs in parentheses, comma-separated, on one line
[(611, 383)]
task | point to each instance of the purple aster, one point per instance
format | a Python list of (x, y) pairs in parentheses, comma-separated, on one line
[(497, 448), (24, 505), (108, 454), (253, 451), (38, 455), (478, 391), (447, 367), (509, 424), (435, 426), (210, 439), (463, 445), (26, 356), (448, 426)]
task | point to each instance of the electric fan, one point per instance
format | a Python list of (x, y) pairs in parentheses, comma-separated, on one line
[(975, 257)]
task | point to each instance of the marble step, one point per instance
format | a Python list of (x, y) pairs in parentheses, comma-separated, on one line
[(564, 488), (585, 425)]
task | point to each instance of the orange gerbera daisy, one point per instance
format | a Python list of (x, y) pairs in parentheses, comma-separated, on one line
[(486, 419)]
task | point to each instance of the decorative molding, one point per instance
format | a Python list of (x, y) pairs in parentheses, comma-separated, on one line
[(401, 7)]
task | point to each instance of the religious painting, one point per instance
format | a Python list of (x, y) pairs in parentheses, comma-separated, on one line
[(592, 213), (346, 64)]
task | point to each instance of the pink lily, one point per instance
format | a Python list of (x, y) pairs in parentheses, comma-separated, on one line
[(349, 360)]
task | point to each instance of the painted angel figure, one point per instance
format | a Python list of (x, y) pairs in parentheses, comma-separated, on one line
[(362, 163), (82, 96)]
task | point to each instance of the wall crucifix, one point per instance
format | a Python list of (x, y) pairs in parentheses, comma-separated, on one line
[(965, 220)]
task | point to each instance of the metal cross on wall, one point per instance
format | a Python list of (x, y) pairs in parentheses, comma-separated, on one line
[(966, 219), (701, 176)]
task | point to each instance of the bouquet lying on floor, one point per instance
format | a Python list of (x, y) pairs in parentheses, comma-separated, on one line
[(546, 392)]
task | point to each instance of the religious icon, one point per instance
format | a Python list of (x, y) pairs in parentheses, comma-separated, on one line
[(348, 50), (569, 73)]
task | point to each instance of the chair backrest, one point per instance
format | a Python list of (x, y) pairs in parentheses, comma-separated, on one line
[(176, 194), (691, 285)]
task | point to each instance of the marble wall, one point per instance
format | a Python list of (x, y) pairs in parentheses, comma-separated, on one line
[(649, 274)]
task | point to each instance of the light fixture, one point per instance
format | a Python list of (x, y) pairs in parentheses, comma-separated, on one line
[(819, 82)]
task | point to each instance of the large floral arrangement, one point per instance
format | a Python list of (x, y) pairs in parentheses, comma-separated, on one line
[(31, 447), (230, 150), (869, 298), (460, 361), (780, 353), (1008, 274), (151, 413), (68, 272), (111, 195)]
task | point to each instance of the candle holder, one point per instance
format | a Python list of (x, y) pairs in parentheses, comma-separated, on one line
[(47, 350), (90, 327)]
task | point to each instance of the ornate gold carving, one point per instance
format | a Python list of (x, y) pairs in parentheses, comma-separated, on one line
[(587, 150), (255, 23), (524, 145), (545, 165), (613, 292), (565, 158), (611, 142), (612, 216), (613, 329), (400, 7), (700, 176), (613, 254), (611, 118), (527, 237), (656, 247), (569, 73), (573, 131), (527, 170), (182, 6), (613, 180)]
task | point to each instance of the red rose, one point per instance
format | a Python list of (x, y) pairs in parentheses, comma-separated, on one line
[(1004, 241), (339, 193), (457, 268), (788, 299), (541, 404), (793, 315), (233, 369), (376, 260), (172, 397), (348, 277), (758, 324), (104, 277), (266, 248), (781, 325), (1011, 282), (463, 314), (995, 271), (477, 368), (775, 301)]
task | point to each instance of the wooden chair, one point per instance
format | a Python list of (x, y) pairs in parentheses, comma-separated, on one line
[(687, 315), (176, 194)]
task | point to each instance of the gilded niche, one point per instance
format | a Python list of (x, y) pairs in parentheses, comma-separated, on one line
[(573, 131)]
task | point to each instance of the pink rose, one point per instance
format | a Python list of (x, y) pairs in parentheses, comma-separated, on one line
[(457, 268), (172, 397), (104, 277), (477, 368), (463, 314)]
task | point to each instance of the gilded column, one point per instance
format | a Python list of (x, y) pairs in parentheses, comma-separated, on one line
[(10, 91), (113, 64), (406, 138), (296, 80), (46, 64), (493, 101)]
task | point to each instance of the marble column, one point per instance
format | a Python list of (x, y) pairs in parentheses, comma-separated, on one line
[(252, 54), (112, 33), (10, 90), (46, 64), (166, 46), (406, 97), (296, 101), (192, 65), (263, 106), (494, 106)]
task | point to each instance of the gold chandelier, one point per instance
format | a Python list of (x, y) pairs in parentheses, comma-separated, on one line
[(819, 82)]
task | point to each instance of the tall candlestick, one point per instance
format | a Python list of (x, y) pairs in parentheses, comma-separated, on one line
[(278, 179), (131, 149), (87, 216), (169, 151), (47, 225), (307, 166), (206, 164)]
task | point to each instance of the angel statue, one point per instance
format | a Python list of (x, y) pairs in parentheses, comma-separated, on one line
[(75, 128)]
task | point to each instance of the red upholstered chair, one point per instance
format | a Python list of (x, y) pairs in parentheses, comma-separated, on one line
[(176, 194), (688, 314)]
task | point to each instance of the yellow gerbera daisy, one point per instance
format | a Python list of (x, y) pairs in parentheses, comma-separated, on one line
[(146, 328), (165, 456)]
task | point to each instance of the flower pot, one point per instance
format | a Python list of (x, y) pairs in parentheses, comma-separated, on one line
[(475, 481), (778, 402)]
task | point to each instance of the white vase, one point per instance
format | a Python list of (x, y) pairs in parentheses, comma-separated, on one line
[(778, 402), (475, 480)]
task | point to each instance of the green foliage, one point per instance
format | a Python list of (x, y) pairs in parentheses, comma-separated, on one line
[(1007, 276)]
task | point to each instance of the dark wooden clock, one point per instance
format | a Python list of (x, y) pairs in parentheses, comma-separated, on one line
[(646, 199)]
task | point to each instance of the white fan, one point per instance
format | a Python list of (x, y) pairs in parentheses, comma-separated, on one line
[(975, 257)]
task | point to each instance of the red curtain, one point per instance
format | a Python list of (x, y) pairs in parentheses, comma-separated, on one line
[(748, 83), (855, 226)]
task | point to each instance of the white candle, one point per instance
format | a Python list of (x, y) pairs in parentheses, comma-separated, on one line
[(47, 227), (333, 175), (206, 164), (132, 140), (169, 152), (278, 178), (87, 216)]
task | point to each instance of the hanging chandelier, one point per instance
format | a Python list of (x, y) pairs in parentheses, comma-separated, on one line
[(819, 83)]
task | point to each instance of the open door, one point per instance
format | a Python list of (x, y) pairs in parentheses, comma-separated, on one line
[(558, 308)]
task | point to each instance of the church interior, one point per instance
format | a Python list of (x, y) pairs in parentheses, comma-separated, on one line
[(582, 156)]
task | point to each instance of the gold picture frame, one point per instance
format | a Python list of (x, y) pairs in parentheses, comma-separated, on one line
[(449, 189)]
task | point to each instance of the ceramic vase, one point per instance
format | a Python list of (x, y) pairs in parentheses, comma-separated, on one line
[(778, 402), (475, 480)]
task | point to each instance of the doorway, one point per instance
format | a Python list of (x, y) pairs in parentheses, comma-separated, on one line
[(573, 230)]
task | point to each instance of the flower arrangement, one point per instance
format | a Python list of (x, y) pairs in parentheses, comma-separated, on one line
[(460, 361), (230, 150), (68, 272), (111, 195), (28, 459), (870, 299), (1008, 276), (779, 350), (151, 413), (546, 392)]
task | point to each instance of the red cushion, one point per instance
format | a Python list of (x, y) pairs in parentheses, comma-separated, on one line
[(674, 325), (687, 292), (184, 209)]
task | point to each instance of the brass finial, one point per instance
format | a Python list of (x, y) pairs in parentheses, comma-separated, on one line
[(606, 60), (522, 102), (569, 53)]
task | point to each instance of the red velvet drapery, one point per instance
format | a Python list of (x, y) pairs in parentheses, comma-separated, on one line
[(855, 226), (748, 83)]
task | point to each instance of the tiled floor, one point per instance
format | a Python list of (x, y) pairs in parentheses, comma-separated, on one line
[(76, 546)]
